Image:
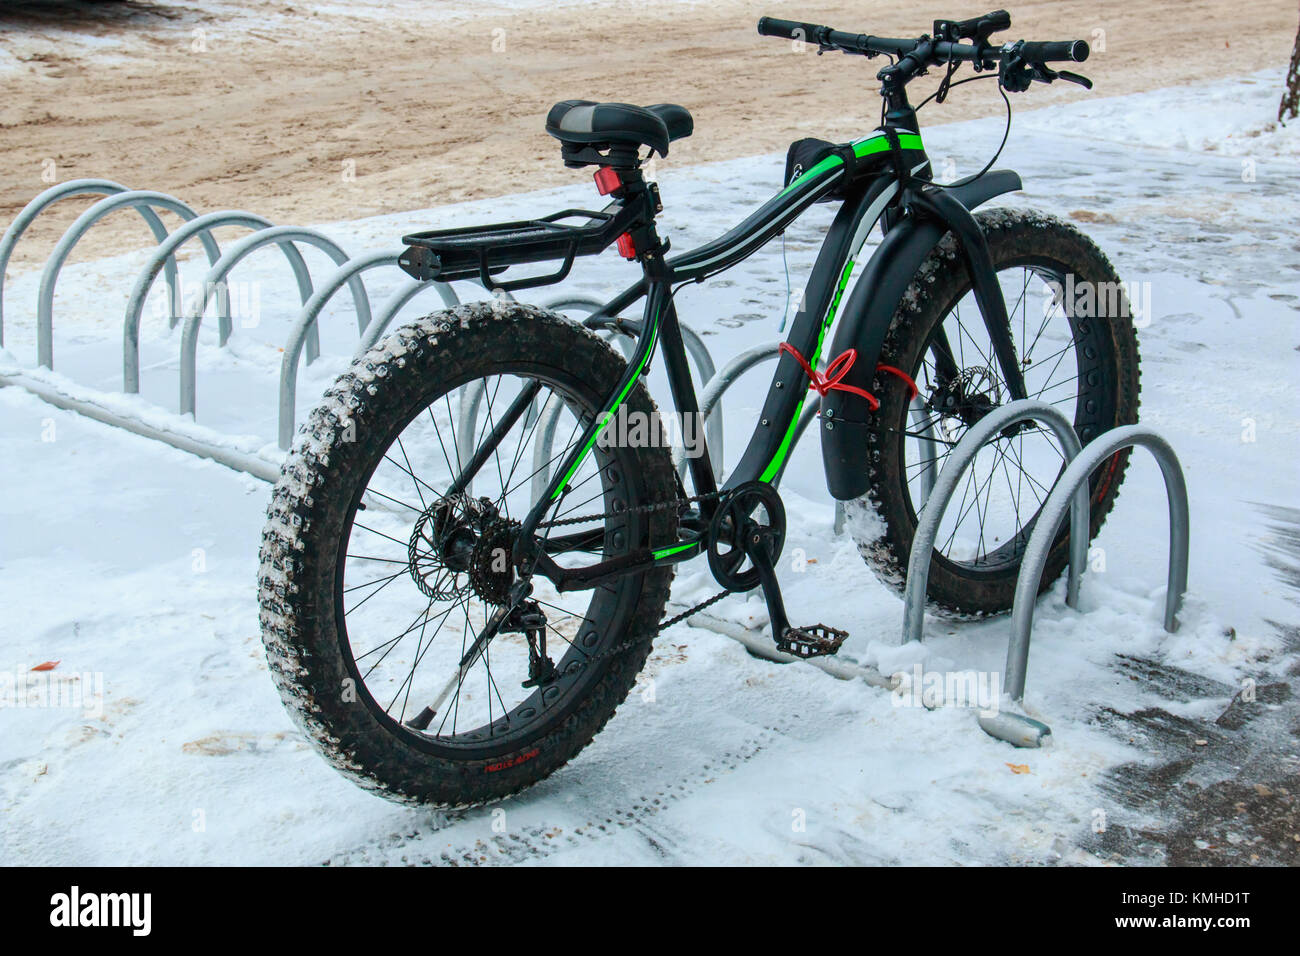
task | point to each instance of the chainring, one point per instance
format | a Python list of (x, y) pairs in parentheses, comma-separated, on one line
[(733, 519)]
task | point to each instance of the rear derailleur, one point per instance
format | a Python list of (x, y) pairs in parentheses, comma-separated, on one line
[(527, 618)]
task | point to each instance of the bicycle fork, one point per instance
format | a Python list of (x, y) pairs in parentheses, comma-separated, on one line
[(984, 284)]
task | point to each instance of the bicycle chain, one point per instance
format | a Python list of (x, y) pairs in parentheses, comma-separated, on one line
[(646, 509), (656, 506)]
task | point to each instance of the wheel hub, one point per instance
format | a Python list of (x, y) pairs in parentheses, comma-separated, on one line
[(970, 397), (441, 549)]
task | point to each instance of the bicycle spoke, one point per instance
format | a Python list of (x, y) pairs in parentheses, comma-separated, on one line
[(418, 656)]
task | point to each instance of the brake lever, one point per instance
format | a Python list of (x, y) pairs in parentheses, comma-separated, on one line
[(1045, 74), (1018, 74)]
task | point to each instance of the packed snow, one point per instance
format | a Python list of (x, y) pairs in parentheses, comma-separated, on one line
[(158, 737)]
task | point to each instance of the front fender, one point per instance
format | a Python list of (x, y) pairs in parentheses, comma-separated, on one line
[(865, 321)]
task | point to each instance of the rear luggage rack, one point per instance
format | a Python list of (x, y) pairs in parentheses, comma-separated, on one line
[(484, 251)]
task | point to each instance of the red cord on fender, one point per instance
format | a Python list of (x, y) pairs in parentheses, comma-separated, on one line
[(832, 379)]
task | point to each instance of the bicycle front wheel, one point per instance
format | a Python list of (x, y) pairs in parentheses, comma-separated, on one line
[(1077, 349)]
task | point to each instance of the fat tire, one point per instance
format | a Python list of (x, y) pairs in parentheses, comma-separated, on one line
[(309, 509), (885, 538)]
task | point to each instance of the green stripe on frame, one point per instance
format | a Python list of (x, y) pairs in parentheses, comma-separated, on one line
[(608, 416), (878, 143), (775, 465), (675, 549)]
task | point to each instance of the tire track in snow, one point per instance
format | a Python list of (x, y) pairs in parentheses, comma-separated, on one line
[(535, 841)]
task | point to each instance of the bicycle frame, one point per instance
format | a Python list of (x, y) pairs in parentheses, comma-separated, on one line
[(894, 187)]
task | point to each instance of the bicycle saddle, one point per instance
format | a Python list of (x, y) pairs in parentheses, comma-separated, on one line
[(586, 122)]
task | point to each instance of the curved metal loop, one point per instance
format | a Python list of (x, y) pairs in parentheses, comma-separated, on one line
[(711, 399), (929, 447), (1072, 482), (612, 331), (927, 526), (347, 273), (215, 279), (563, 303), (138, 199), (471, 397), (164, 253), (388, 311), (695, 347), (75, 187)]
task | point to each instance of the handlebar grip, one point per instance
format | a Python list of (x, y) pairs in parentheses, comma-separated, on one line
[(1051, 51), (789, 29)]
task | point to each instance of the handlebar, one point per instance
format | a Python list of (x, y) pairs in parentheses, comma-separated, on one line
[(937, 50)]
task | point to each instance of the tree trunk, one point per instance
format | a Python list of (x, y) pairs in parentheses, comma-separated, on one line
[(1290, 105)]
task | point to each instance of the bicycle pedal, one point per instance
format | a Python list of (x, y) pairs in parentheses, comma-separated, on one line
[(816, 640)]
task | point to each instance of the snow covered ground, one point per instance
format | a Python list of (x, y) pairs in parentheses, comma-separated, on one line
[(132, 565)]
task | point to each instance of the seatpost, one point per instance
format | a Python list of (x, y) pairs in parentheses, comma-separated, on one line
[(627, 184)]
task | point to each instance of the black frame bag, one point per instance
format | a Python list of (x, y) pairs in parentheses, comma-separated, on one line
[(804, 154)]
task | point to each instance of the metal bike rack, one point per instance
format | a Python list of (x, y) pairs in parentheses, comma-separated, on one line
[(304, 335), (131, 199), (216, 280), (927, 527), (1072, 482), (404, 294), (305, 327), (1069, 494), (1013, 728), (76, 187), (164, 252)]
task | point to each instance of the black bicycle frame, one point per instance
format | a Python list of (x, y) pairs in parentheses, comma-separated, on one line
[(891, 173)]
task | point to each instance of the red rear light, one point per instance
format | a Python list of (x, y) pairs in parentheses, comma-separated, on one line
[(626, 248), (607, 180)]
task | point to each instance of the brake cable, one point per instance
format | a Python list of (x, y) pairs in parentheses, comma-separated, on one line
[(1006, 132), (946, 83), (969, 79)]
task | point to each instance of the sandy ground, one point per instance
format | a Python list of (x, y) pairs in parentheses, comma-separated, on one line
[(315, 112)]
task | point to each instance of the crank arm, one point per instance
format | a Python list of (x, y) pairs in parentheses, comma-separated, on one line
[(755, 547)]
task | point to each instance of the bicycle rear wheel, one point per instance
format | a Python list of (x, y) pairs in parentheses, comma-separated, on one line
[(378, 575)]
